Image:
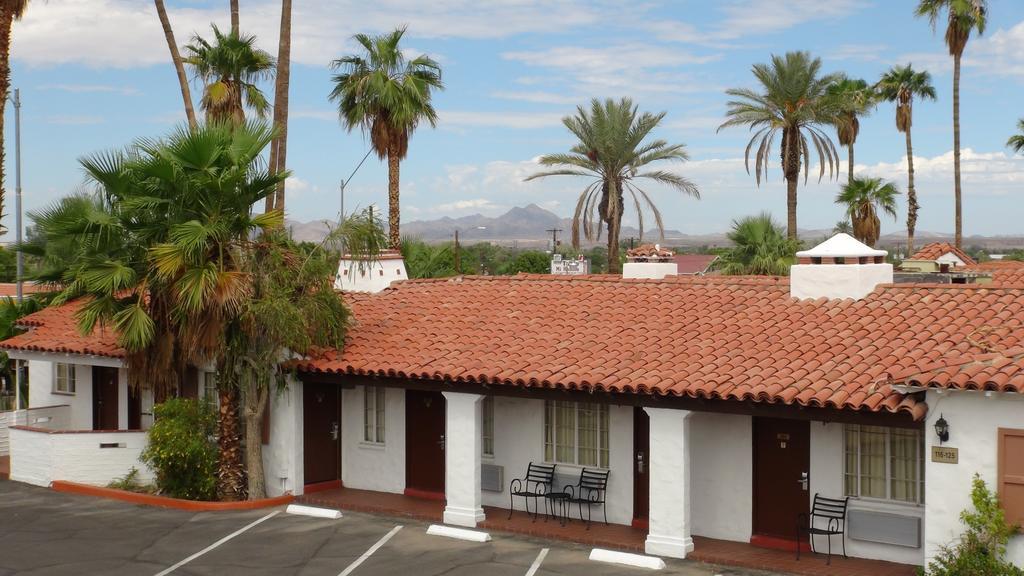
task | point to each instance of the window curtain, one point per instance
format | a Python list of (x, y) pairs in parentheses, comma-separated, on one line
[(565, 432), (369, 413), (379, 420), (903, 452), (872, 461)]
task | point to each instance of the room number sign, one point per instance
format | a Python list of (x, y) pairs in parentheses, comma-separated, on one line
[(945, 454)]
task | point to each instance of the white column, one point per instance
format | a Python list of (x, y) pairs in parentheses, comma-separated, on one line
[(463, 422), (669, 527)]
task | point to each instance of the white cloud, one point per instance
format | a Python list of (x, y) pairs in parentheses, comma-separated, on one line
[(998, 53), (982, 173), (91, 88), (463, 205), (129, 33)]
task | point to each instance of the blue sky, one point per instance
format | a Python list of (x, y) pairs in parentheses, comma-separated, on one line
[(96, 74)]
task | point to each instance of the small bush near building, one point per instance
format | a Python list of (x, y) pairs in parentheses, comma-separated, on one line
[(182, 451), (982, 547)]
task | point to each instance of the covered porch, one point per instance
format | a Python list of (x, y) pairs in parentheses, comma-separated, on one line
[(613, 536)]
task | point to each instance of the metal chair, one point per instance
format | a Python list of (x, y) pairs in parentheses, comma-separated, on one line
[(590, 490), (833, 512), (536, 484)]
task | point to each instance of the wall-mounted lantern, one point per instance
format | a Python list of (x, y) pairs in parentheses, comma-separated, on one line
[(942, 429)]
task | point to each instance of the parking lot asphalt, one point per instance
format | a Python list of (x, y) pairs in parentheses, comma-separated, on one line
[(48, 533)]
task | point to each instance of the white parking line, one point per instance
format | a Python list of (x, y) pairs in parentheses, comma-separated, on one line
[(370, 552), (216, 544), (536, 563)]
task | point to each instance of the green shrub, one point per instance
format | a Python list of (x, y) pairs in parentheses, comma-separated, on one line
[(981, 548), (181, 449), (129, 481)]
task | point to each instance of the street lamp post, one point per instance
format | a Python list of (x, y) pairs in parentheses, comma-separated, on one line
[(341, 214), (16, 100)]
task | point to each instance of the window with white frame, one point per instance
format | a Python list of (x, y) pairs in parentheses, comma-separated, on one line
[(209, 391), (884, 463), (64, 378), (576, 433), (487, 431), (373, 414)]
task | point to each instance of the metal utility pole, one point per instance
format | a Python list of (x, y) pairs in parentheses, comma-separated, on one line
[(344, 182), (17, 190), (458, 258), (554, 238)]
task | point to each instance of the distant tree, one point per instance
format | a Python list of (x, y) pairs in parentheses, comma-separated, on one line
[(843, 227), (1016, 254), (902, 84), (424, 260), (790, 103), (8, 265), (1016, 142), (387, 96), (231, 67), (852, 98), (531, 262), (864, 198), (962, 18), (760, 247)]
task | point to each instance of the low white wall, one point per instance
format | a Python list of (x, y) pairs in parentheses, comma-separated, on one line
[(974, 419), (827, 454), (41, 457), (283, 456), (41, 393), (721, 476), (50, 417), (373, 466), (6, 420)]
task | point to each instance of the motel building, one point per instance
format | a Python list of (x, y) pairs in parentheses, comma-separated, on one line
[(718, 406)]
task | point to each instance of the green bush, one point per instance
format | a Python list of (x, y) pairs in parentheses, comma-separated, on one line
[(981, 548), (181, 449)]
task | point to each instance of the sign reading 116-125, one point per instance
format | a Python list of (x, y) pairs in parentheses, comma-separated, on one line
[(945, 454)]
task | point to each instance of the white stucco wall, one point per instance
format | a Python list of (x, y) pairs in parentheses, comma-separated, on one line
[(721, 475), (373, 466), (827, 453), (974, 419), (811, 281), (649, 270), (283, 456), (40, 458), (41, 392)]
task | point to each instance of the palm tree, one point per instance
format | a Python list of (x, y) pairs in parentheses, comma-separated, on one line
[(156, 254), (852, 98), (1016, 142), (760, 247), (234, 17), (614, 152), (427, 261), (279, 147), (387, 96), (843, 227), (10, 10), (863, 198), (172, 45), (230, 67), (792, 104), (963, 17), (901, 84)]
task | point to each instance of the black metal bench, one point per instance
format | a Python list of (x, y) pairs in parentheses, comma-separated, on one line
[(536, 484), (589, 490), (832, 515)]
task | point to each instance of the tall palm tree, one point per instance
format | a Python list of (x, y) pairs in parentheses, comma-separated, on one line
[(791, 103), (234, 18), (963, 17), (387, 96), (10, 10), (760, 247), (614, 152), (863, 199), (901, 84), (853, 98), (279, 147), (230, 67), (172, 45), (1016, 142)]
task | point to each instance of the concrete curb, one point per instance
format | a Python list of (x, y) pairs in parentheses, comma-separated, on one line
[(458, 533), (300, 510), (627, 559), (165, 502)]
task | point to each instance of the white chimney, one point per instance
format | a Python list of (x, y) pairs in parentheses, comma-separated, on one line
[(356, 274), (649, 261), (840, 267)]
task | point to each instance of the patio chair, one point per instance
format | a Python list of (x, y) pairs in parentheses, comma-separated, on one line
[(832, 515), (590, 490), (536, 484)]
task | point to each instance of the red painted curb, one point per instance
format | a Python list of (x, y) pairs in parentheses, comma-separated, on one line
[(164, 501)]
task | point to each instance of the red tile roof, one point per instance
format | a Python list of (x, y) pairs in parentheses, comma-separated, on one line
[(996, 371), (11, 289), (645, 252), (54, 329), (1002, 271), (936, 250), (702, 337), (694, 263)]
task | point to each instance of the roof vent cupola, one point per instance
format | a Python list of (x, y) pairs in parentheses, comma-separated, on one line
[(358, 274), (840, 267), (649, 261)]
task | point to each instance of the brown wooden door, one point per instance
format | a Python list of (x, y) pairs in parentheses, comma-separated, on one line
[(641, 467), (134, 408), (782, 456), (104, 398), (321, 432), (424, 443)]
